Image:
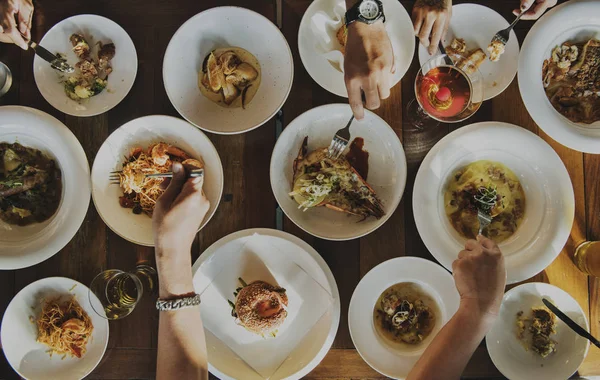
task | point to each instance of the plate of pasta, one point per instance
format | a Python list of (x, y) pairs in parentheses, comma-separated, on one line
[(123, 189), (50, 330)]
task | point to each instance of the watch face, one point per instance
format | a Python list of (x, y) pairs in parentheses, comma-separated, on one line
[(369, 9)]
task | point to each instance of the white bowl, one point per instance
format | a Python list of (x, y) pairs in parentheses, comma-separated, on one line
[(398, 25), (508, 353), (477, 25), (94, 28), (29, 358), (223, 27), (222, 361), (433, 280), (550, 202), (22, 247), (387, 169), (574, 20), (143, 132)]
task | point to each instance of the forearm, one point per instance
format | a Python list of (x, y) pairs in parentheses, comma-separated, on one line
[(450, 351), (181, 342)]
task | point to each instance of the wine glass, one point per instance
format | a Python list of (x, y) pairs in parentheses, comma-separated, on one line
[(446, 93), (119, 291), (5, 79)]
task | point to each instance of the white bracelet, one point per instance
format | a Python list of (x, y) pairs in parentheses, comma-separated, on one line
[(178, 303)]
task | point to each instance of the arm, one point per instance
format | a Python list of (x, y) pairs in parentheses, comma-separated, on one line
[(178, 214), (535, 8), (368, 64), (15, 21), (480, 279), (431, 19)]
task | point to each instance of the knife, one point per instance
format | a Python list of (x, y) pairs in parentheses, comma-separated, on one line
[(56, 62), (571, 323)]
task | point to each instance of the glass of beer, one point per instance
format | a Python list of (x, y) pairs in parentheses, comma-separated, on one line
[(587, 258), (119, 292)]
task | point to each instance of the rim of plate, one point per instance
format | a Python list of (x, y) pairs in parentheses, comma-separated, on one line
[(333, 288), (56, 279), (78, 213), (577, 13), (206, 219), (551, 289), (567, 209), (513, 37), (447, 295), (400, 70), (51, 101), (203, 13), (382, 220)]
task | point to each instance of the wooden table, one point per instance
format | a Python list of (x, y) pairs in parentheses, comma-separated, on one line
[(248, 201)]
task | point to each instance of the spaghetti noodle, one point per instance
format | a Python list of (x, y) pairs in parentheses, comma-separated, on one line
[(64, 327), (141, 192)]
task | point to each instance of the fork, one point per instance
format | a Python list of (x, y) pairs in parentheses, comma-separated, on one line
[(484, 220), (340, 141), (504, 35), (115, 178), (485, 201)]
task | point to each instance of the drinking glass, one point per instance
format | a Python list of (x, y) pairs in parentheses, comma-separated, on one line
[(5, 79), (119, 291), (587, 258), (436, 75)]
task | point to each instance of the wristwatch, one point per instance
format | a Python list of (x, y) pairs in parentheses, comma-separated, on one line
[(367, 11)]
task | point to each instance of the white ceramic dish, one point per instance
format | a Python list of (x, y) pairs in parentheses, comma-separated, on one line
[(387, 169), (576, 20), (223, 362), (29, 358), (143, 132), (477, 25), (550, 203), (433, 280), (94, 28), (26, 246), (223, 27), (508, 353), (328, 75)]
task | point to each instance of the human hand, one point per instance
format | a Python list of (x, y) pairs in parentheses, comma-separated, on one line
[(534, 8), (15, 22), (368, 66), (431, 19), (178, 213), (480, 276)]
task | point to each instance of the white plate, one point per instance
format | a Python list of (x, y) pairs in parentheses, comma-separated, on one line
[(22, 247), (93, 28), (477, 25), (143, 132), (387, 169), (510, 356), (223, 27), (574, 20), (550, 203), (30, 358), (222, 361), (431, 277), (327, 75)]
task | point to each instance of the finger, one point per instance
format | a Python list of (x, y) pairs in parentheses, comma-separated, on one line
[(454, 265), (18, 39), (175, 186), (164, 184), (526, 4), (372, 95), (446, 27), (436, 36), (485, 242), (426, 30), (384, 87), (417, 21), (24, 17), (463, 254), (191, 188), (535, 12), (471, 245), (355, 99)]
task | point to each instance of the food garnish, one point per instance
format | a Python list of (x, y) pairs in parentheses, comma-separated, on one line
[(535, 331)]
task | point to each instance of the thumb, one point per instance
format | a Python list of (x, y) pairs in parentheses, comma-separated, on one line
[(175, 186), (526, 4)]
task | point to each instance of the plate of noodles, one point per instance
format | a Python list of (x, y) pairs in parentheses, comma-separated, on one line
[(141, 147), (50, 330)]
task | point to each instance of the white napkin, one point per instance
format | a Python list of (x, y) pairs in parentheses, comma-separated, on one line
[(324, 25), (258, 259)]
